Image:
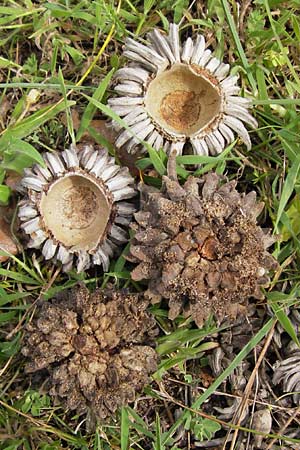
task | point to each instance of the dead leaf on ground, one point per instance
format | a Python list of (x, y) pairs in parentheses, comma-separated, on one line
[(13, 180), (6, 241)]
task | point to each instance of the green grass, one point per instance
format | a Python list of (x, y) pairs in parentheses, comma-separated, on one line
[(57, 58)]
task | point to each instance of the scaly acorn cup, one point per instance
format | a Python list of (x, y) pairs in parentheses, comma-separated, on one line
[(287, 371), (199, 246), (96, 349), (74, 208), (171, 94)]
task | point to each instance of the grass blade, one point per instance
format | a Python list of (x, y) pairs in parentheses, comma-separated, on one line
[(124, 429), (238, 44), (288, 188), (91, 108)]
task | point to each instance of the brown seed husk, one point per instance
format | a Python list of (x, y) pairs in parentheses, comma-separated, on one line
[(200, 247), (96, 347)]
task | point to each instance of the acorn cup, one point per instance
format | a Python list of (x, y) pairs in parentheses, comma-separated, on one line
[(96, 348), (199, 246), (170, 94), (74, 209)]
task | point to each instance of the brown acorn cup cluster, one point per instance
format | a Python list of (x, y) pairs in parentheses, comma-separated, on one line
[(199, 248), (96, 347)]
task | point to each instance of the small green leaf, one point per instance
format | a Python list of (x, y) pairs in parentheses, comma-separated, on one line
[(29, 124), (75, 54), (156, 161), (20, 154), (5, 192)]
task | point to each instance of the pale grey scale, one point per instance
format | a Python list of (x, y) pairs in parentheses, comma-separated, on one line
[(229, 81), (123, 138), (37, 239), (174, 40), (198, 51), (123, 110), (237, 100), (125, 101), (161, 45), (213, 64), (133, 74), (130, 118), (63, 255), (70, 157), (109, 247), (118, 182), (27, 212), (118, 234), (28, 172), (236, 125), (226, 132), (133, 56), (211, 144), (218, 145), (85, 154), (129, 88), (219, 137), (49, 249), (99, 165), (151, 139), (124, 221), (109, 172), (167, 147), (125, 208), (233, 90), (177, 146), (292, 381), (131, 146), (187, 51), (135, 118), (287, 364), (242, 114), (116, 126), (91, 160), (159, 141), (68, 266), (134, 130), (31, 225), (124, 193), (145, 131), (205, 58), (101, 259), (42, 172), (146, 52), (125, 172), (34, 183), (200, 147), (83, 261), (54, 163), (222, 71)]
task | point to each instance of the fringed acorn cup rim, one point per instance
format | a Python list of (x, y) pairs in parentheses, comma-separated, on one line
[(170, 94)]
